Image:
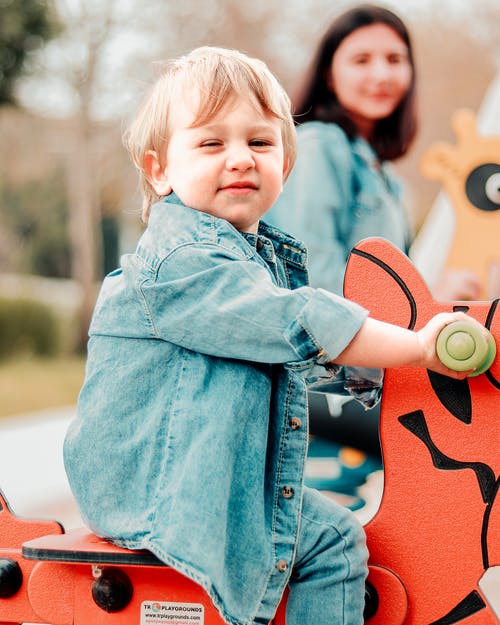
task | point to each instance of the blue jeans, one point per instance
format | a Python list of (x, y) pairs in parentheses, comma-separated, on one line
[(327, 586)]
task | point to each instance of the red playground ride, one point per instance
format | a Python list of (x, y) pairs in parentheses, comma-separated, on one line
[(434, 542)]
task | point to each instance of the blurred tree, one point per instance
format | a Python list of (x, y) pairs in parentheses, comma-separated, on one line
[(74, 64), (38, 241), (111, 198), (282, 34), (24, 26)]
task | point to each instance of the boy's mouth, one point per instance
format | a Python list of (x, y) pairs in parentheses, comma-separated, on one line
[(240, 186)]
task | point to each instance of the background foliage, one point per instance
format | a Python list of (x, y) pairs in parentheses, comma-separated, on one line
[(27, 327), (36, 216), (24, 27)]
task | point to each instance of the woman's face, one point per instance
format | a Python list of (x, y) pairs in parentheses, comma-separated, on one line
[(370, 74)]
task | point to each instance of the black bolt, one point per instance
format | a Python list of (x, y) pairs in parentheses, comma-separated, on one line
[(11, 577), (371, 601), (112, 590)]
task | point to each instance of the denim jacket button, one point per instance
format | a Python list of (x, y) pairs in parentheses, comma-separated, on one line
[(295, 423), (282, 566), (287, 492)]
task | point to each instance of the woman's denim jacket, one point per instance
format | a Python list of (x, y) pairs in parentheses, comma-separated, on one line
[(191, 431), (337, 194)]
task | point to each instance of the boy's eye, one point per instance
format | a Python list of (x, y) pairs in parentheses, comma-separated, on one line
[(210, 143), (260, 142)]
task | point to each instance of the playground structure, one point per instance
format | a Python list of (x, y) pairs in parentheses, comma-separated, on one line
[(469, 172), (434, 542)]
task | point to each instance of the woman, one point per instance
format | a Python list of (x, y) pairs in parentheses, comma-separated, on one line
[(356, 113)]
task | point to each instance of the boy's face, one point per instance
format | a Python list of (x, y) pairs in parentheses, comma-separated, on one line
[(231, 167)]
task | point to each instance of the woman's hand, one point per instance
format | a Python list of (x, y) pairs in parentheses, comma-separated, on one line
[(458, 284)]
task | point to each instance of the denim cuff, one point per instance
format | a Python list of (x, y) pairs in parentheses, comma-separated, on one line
[(325, 326)]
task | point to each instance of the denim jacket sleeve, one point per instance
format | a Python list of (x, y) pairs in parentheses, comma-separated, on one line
[(316, 199), (210, 299)]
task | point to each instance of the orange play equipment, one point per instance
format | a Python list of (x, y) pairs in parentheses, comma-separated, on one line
[(470, 175), (434, 543)]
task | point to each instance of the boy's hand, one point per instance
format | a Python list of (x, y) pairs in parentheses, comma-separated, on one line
[(428, 336)]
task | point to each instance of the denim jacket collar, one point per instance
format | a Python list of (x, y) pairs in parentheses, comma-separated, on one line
[(286, 247)]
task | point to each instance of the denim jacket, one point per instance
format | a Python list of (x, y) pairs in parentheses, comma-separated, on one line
[(191, 430), (336, 195)]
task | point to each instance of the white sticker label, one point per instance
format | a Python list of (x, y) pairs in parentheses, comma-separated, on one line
[(154, 612)]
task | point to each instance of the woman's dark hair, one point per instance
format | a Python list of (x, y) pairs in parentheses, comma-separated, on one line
[(314, 100)]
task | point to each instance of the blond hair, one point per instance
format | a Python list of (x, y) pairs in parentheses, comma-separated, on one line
[(219, 74)]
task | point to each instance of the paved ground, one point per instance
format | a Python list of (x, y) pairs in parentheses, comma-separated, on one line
[(32, 476)]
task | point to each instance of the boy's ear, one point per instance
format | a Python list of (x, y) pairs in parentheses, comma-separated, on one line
[(286, 167), (156, 174)]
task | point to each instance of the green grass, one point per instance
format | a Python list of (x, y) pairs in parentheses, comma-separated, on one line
[(33, 383)]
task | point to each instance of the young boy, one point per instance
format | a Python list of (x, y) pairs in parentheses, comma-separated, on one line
[(191, 432)]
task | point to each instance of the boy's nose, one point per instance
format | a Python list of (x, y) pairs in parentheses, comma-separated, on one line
[(240, 158)]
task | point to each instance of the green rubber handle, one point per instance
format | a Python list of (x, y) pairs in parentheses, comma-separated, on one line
[(461, 346)]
